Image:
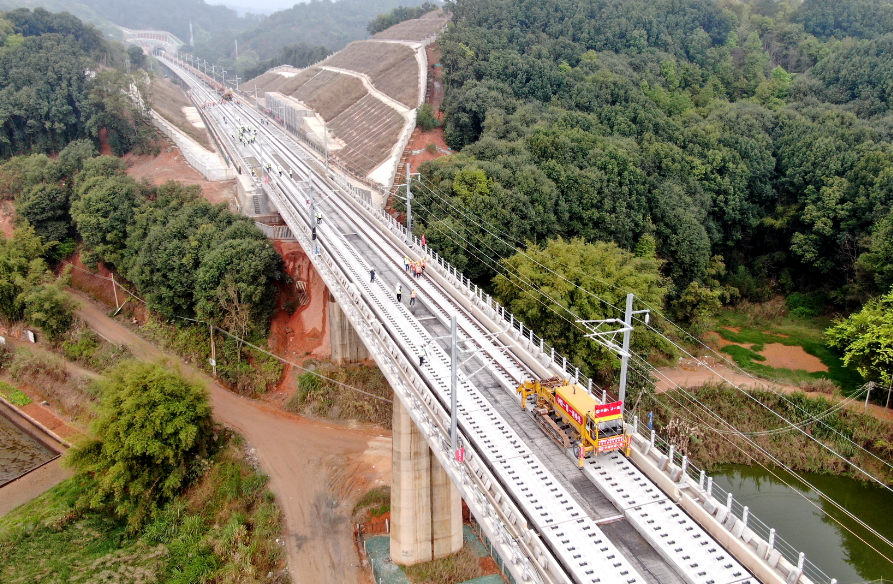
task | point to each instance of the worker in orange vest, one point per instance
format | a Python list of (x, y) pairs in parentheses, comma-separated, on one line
[(412, 297), (423, 265)]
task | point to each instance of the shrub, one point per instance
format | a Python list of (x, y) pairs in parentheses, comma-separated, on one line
[(425, 118), (821, 385), (138, 463), (50, 308), (374, 503), (13, 395), (48, 376), (459, 567), (338, 399), (805, 305), (81, 345)]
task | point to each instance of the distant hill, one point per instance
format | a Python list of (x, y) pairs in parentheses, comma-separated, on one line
[(170, 15), (82, 11), (333, 25)]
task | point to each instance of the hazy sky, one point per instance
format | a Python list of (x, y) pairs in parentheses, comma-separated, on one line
[(266, 5)]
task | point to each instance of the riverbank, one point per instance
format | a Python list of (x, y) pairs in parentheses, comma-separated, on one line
[(685, 418)]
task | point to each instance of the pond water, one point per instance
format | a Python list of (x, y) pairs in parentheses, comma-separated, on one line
[(802, 519), (19, 453)]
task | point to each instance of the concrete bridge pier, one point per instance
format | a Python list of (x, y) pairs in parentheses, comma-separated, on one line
[(347, 346), (426, 509)]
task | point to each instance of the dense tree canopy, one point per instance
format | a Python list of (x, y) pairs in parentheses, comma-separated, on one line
[(740, 130), (56, 86), (186, 256), (552, 287)]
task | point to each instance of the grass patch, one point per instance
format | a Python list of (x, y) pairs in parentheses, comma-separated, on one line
[(375, 503), (14, 395), (791, 331), (320, 397), (459, 567), (836, 429), (86, 348), (47, 375), (223, 529)]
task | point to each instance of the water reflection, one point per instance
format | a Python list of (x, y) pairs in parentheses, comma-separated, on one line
[(802, 519), (19, 453)]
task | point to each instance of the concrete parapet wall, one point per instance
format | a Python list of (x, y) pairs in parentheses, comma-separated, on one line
[(209, 164)]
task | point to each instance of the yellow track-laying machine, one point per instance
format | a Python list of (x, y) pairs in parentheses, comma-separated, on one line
[(571, 416)]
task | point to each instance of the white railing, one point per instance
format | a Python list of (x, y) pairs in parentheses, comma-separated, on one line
[(734, 517)]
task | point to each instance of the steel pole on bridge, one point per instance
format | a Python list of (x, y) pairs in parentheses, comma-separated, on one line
[(624, 357), (454, 398), (409, 213)]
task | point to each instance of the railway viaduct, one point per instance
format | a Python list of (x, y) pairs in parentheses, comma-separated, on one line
[(650, 517)]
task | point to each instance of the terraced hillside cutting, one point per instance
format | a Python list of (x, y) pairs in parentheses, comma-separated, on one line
[(369, 128), (368, 120), (269, 81), (416, 29), (329, 93), (392, 67)]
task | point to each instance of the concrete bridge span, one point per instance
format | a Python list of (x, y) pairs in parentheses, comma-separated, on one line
[(153, 41), (614, 521)]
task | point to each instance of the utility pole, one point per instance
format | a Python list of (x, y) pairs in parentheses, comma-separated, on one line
[(889, 391), (624, 357), (213, 359), (870, 386), (408, 198), (408, 204), (260, 143), (608, 339), (115, 290), (237, 49)]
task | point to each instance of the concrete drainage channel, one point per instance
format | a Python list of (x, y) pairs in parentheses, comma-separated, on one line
[(376, 549), (26, 446)]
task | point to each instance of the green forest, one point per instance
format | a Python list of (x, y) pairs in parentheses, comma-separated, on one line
[(64, 95), (60, 82), (749, 141)]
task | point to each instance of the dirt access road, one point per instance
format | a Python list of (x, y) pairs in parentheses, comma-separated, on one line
[(317, 470)]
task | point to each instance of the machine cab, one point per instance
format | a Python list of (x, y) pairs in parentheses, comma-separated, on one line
[(604, 425)]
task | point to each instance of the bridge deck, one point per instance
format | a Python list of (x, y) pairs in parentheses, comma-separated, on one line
[(569, 509)]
